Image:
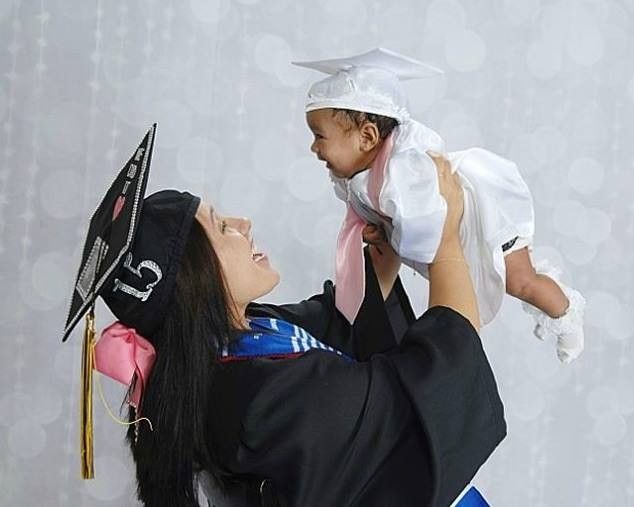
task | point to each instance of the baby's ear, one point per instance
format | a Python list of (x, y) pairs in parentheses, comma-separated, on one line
[(370, 136)]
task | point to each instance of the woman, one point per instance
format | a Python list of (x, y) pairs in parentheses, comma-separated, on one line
[(403, 412)]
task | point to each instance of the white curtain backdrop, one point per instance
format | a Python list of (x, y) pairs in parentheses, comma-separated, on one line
[(546, 83)]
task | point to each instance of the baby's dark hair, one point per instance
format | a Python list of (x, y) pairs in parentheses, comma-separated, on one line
[(385, 124)]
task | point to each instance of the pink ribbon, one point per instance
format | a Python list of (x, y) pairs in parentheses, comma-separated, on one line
[(121, 353), (377, 172), (349, 263), (349, 269)]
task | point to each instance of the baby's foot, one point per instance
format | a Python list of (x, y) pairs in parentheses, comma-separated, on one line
[(567, 329)]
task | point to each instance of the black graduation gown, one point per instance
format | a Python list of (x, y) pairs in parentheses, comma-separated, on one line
[(409, 424)]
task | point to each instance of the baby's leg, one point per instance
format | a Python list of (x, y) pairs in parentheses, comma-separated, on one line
[(557, 309), (539, 290)]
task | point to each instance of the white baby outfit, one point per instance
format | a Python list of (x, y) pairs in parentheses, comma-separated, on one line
[(497, 207), (401, 193)]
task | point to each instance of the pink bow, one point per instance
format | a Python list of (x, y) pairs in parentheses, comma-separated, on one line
[(121, 353), (349, 264)]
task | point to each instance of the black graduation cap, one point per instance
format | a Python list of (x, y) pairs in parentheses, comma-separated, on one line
[(110, 235), (136, 289), (111, 232)]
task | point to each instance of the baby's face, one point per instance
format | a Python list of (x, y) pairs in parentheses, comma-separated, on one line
[(336, 143)]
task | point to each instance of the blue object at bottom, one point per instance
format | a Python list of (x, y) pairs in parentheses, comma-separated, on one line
[(472, 498)]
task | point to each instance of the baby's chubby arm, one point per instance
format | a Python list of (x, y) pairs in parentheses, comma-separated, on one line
[(385, 260)]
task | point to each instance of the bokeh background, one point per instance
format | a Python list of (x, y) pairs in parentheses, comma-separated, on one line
[(546, 83)]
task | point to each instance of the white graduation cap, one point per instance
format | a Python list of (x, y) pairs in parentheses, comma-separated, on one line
[(369, 82), (403, 66)]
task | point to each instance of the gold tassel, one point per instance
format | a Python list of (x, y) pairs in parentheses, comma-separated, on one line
[(85, 428)]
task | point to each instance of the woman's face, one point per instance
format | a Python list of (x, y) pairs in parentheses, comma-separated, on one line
[(247, 272)]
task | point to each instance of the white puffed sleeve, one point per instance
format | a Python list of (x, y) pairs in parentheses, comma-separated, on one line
[(410, 197)]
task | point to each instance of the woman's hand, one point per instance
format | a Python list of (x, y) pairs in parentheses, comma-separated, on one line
[(449, 277), (451, 190), (375, 235), (384, 259)]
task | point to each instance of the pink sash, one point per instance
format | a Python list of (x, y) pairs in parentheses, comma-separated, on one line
[(349, 264)]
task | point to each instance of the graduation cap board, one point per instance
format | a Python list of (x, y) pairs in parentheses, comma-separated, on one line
[(369, 82), (402, 66), (110, 237), (111, 231)]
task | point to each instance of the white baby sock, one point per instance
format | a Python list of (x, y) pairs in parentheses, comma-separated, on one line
[(567, 329)]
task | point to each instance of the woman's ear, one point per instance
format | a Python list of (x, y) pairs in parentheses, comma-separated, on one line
[(369, 136)]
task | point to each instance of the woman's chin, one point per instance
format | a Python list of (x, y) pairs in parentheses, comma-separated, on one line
[(271, 280), (276, 279)]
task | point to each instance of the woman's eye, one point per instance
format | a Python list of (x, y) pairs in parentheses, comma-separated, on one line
[(223, 226)]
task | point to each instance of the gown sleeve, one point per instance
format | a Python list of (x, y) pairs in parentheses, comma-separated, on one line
[(318, 315), (410, 426)]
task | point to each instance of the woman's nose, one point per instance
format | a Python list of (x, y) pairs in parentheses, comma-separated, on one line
[(245, 227), (240, 224)]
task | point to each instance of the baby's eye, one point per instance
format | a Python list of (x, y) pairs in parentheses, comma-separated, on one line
[(317, 136), (223, 226)]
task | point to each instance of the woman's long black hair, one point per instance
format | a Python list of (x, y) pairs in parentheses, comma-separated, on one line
[(196, 325)]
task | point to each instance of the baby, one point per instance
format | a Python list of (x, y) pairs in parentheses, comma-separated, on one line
[(379, 161)]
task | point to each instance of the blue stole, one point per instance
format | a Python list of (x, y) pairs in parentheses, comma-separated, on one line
[(273, 338), (472, 498)]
